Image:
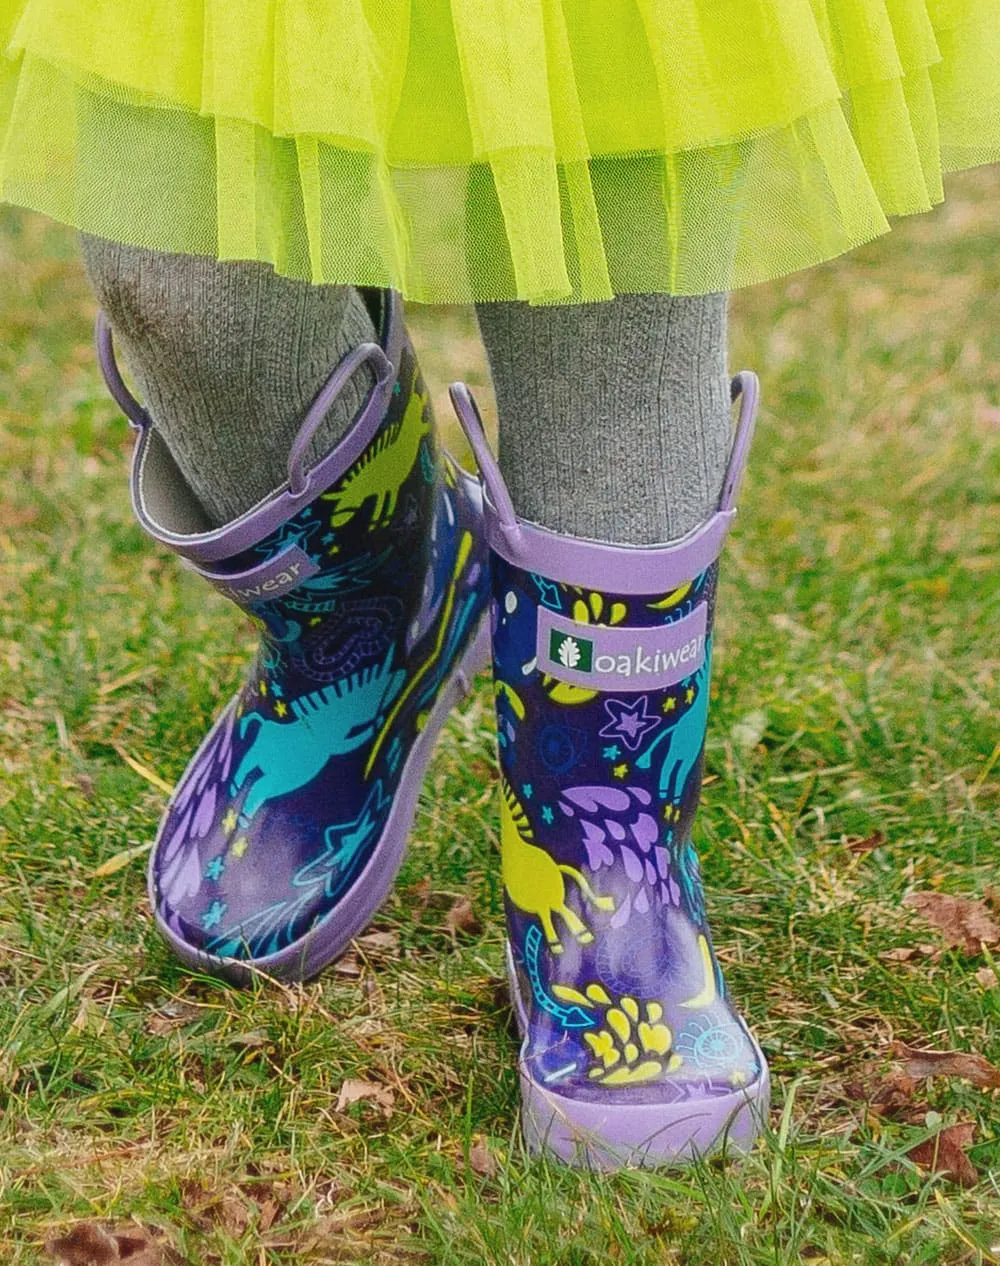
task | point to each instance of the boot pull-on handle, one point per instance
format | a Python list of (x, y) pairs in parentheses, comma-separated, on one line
[(385, 374), (745, 387), (133, 410), (298, 476), (472, 424)]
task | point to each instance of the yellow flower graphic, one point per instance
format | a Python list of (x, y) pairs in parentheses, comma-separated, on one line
[(633, 1045)]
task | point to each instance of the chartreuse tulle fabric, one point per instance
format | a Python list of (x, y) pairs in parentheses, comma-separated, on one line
[(492, 149)]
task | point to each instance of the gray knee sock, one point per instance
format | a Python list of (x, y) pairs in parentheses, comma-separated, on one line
[(615, 417), (228, 357)]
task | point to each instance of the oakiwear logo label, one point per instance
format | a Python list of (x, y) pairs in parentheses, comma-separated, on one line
[(278, 576), (621, 658)]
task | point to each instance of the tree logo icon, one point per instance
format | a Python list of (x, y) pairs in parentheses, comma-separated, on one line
[(571, 652)]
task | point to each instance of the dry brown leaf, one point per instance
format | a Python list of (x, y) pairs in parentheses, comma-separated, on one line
[(347, 965), (866, 845), (461, 918), (421, 897), (355, 1090), (481, 1159), (381, 942), (888, 1095), (974, 1068), (233, 1213), (987, 977), (945, 1153), (962, 922), (172, 1015), (901, 954), (268, 1215), (84, 1245), (87, 1244)]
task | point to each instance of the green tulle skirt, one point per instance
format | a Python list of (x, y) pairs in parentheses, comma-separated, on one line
[(495, 149)]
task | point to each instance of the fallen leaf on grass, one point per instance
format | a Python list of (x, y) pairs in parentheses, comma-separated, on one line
[(236, 1208), (354, 1090), (421, 897), (87, 1244), (987, 977), (347, 965), (974, 1068), (380, 942), (867, 845), (481, 1159), (889, 1095), (906, 953), (120, 861), (462, 918), (962, 922), (945, 1153), (172, 1015)]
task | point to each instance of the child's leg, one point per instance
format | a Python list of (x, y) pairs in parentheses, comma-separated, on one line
[(615, 435), (365, 570), (228, 357), (615, 417)]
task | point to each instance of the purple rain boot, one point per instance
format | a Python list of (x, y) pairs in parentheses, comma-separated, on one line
[(367, 576), (632, 1052)]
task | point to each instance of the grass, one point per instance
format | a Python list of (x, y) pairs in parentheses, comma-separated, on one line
[(855, 693)]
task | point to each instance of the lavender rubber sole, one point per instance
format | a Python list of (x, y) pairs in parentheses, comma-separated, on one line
[(330, 937), (607, 1136)]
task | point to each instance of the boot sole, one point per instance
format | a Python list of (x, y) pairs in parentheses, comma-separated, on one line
[(587, 1134), (331, 936)]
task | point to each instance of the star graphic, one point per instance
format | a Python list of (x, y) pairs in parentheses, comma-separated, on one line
[(215, 868), (612, 752), (547, 814), (314, 621), (620, 771), (277, 691), (328, 539), (213, 915), (689, 695), (263, 687), (630, 722), (280, 708), (240, 847), (669, 704), (548, 591), (229, 822), (528, 790)]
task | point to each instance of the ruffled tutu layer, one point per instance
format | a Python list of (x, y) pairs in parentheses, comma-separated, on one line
[(496, 149)]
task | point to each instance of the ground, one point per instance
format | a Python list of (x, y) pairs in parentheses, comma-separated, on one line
[(852, 761)]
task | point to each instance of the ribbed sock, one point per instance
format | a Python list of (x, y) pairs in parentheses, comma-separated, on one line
[(615, 418), (228, 357)]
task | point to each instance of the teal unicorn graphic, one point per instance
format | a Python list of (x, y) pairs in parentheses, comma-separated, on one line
[(685, 739), (332, 722)]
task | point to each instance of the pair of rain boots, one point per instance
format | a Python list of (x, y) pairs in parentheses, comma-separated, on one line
[(379, 578)]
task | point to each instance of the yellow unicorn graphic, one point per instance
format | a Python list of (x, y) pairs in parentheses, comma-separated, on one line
[(535, 882)]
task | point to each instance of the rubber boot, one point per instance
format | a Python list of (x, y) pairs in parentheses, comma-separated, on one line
[(632, 1052), (367, 577)]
